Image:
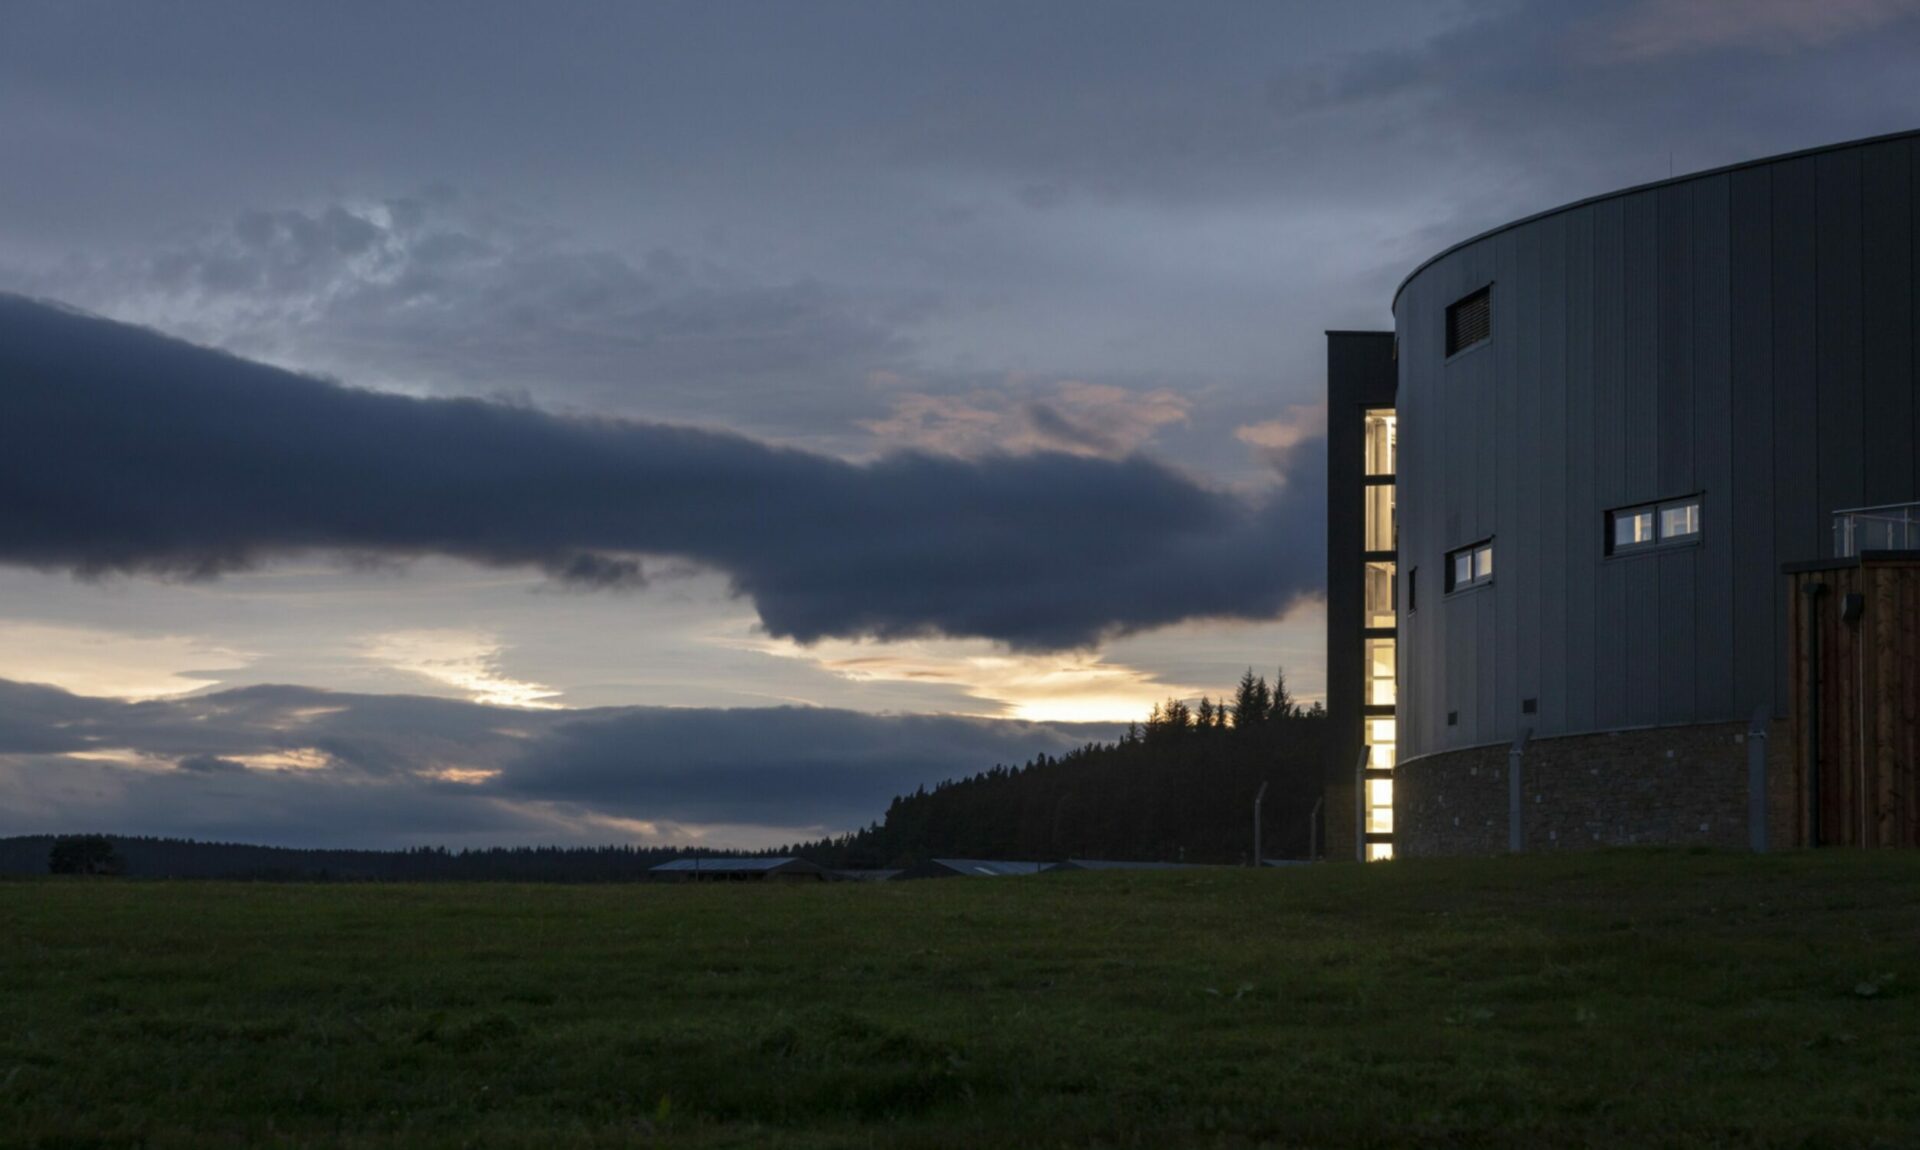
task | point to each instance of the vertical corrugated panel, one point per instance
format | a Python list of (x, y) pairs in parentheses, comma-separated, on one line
[(1482, 371), (1759, 637), (1529, 476), (1640, 299), (1796, 413), (1583, 502), (1674, 339), (1713, 446), (1501, 635), (1609, 423), (1639, 617), (1416, 504), (1553, 469), (1673, 382), (1837, 331), (1679, 617), (1887, 323)]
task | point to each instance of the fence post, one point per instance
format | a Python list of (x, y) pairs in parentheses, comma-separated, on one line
[(1258, 796), (1360, 803), (1516, 836), (1757, 780)]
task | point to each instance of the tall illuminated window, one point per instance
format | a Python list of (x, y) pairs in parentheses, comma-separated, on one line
[(1380, 442), (1379, 539), (1379, 598), (1379, 533), (1380, 673)]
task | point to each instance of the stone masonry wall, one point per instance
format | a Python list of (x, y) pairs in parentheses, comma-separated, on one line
[(1665, 785)]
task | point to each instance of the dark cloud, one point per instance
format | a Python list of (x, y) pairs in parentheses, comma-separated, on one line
[(125, 451), (299, 766)]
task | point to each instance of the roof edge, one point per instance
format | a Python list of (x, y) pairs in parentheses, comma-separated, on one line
[(1910, 133)]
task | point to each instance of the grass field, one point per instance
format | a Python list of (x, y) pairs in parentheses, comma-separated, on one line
[(1618, 999)]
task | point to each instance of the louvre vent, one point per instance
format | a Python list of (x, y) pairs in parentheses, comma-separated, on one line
[(1470, 321)]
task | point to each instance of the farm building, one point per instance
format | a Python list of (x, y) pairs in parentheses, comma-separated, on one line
[(1117, 864), (738, 870), (970, 868)]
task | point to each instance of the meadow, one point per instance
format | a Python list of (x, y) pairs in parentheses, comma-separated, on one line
[(1612, 999)]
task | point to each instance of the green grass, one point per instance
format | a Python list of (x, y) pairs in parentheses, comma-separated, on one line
[(1617, 999)]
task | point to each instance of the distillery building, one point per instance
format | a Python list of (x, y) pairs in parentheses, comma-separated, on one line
[(1573, 494)]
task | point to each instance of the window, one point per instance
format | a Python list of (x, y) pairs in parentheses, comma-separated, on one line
[(1379, 529), (1413, 589), (1380, 672), (1382, 747), (1470, 566), (1379, 806), (1379, 601), (1653, 525), (1470, 321), (1380, 443)]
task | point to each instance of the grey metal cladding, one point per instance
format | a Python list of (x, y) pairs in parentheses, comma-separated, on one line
[(1747, 335)]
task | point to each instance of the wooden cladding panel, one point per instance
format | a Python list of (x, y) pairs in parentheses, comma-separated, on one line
[(1869, 700)]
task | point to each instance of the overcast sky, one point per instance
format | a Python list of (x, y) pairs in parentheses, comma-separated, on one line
[(841, 369)]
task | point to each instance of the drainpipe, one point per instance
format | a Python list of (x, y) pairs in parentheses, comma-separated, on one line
[(1360, 802), (1757, 780), (1813, 591), (1516, 838)]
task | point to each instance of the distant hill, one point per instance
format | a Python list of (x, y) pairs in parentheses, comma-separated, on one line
[(1179, 788), (189, 858)]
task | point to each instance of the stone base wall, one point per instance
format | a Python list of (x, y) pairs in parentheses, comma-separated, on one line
[(1666, 785)]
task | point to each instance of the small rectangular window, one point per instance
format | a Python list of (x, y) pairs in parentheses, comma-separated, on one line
[(1470, 321), (1680, 520), (1470, 566), (1413, 589), (1652, 525), (1632, 529)]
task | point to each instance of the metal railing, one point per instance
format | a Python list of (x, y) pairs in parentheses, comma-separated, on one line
[(1891, 527)]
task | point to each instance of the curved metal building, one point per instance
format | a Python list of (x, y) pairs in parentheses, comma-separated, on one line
[(1616, 421)]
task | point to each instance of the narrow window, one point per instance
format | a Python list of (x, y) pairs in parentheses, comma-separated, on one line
[(1380, 685), (1413, 589), (1379, 529), (1380, 442), (1470, 566), (1653, 525), (1379, 594), (1470, 321)]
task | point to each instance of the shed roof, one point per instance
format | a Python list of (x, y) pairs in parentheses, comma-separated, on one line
[(989, 868), (1118, 864), (734, 864)]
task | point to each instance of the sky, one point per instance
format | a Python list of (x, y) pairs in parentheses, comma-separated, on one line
[(697, 422)]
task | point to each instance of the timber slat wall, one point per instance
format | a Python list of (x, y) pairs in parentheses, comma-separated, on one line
[(1869, 698)]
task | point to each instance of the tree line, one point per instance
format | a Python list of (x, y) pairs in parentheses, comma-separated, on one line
[(1178, 787)]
